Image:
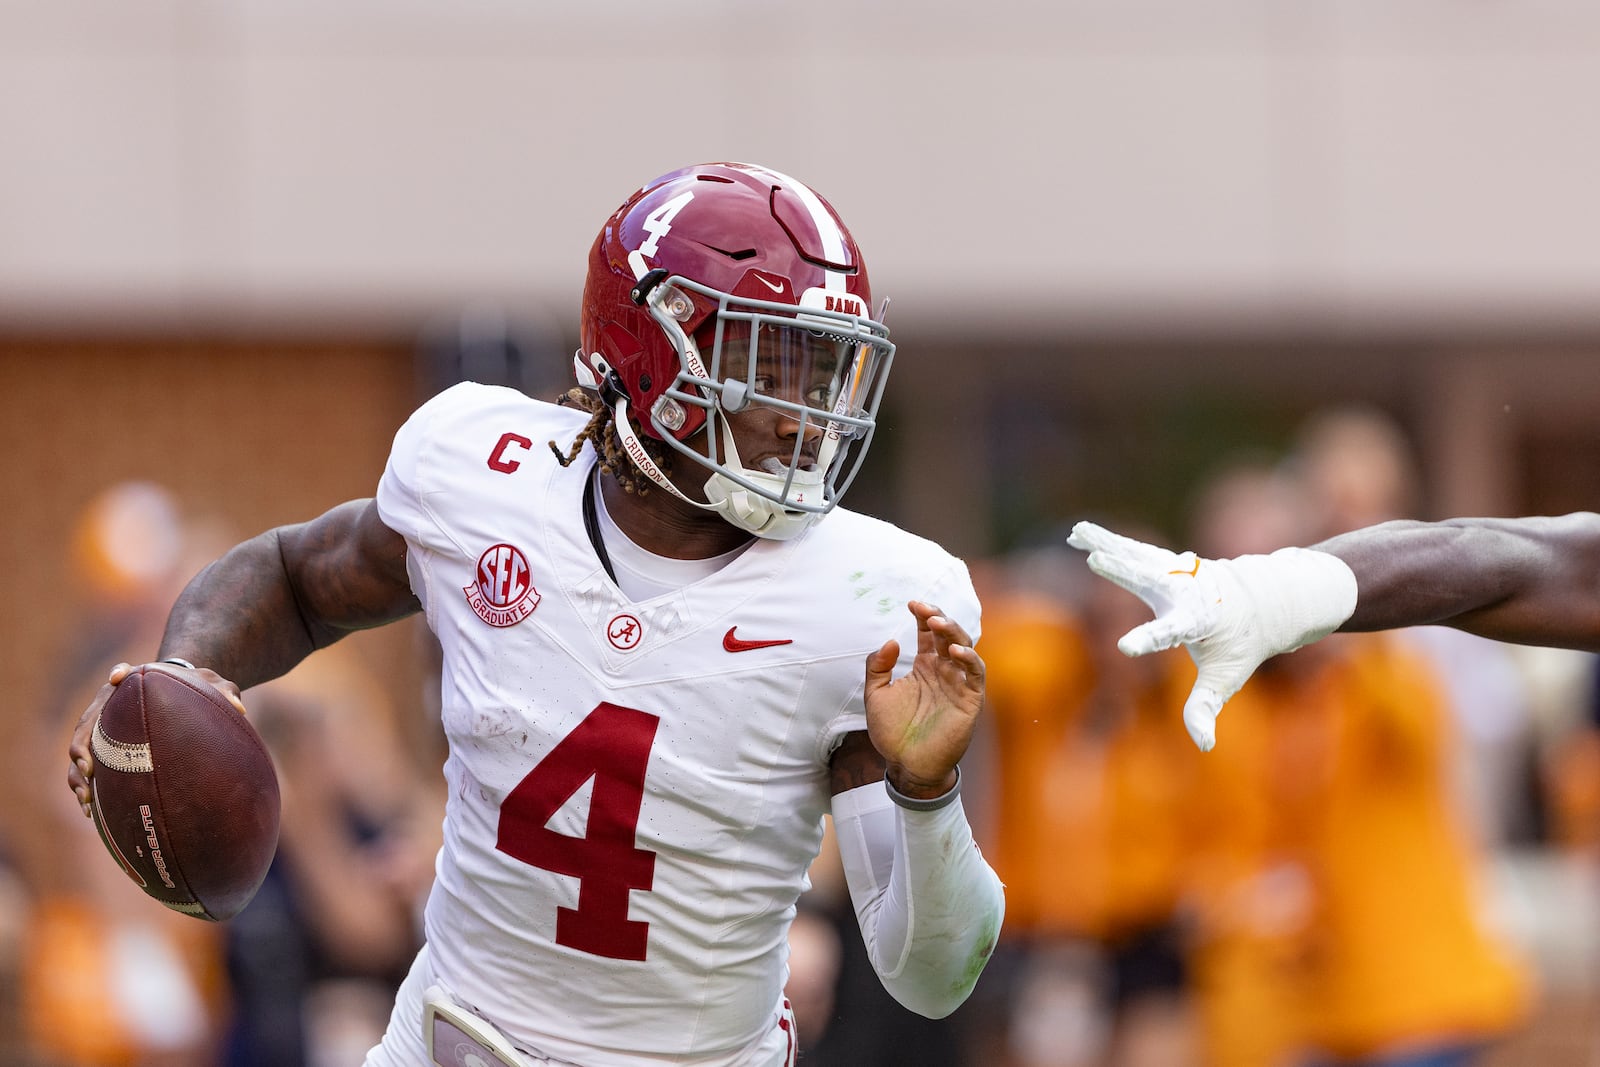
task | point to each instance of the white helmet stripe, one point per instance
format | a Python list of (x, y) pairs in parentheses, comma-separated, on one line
[(833, 247)]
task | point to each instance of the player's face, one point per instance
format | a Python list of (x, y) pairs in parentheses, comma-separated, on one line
[(799, 375), (794, 373), (792, 364), (790, 402)]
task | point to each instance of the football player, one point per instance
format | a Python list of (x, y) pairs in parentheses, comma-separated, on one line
[(1533, 581), (654, 618)]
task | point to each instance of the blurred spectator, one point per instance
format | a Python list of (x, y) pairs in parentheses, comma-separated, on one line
[(1358, 469), (1248, 889), (816, 947), (1568, 703), (316, 957), (1151, 771), (1043, 994), (107, 977), (815, 952), (1336, 884), (1090, 780)]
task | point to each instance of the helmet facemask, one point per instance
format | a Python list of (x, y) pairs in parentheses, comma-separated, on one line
[(824, 370)]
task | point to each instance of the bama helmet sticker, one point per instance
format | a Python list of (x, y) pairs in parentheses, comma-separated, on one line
[(503, 594)]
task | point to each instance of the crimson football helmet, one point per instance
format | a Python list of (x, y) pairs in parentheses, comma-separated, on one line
[(723, 286)]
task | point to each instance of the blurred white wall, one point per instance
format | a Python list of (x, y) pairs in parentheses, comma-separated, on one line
[(1108, 165)]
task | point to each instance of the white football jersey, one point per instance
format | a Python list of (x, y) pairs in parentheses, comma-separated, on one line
[(635, 789)]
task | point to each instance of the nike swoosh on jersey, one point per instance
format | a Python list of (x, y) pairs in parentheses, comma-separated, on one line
[(739, 644)]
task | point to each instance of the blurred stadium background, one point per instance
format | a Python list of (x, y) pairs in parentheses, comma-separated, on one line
[(240, 239)]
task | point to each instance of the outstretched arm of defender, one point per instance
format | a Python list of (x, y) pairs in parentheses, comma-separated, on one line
[(1530, 580)]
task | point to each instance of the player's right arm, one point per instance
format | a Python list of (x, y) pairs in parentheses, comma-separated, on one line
[(271, 601)]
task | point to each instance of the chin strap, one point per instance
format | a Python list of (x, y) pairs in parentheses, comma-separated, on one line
[(600, 378), (750, 511), (634, 446)]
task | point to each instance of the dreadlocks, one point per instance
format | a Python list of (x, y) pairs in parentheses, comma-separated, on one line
[(600, 432)]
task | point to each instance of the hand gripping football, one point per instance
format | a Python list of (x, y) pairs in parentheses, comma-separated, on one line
[(185, 794)]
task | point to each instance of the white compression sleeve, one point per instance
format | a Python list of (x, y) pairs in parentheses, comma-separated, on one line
[(928, 903)]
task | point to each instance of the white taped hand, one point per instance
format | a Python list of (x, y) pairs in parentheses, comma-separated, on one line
[(1231, 614)]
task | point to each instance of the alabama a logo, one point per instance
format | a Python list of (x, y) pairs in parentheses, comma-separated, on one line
[(503, 594)]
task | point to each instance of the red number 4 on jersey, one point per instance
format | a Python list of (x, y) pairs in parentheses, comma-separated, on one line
[(611, 745)]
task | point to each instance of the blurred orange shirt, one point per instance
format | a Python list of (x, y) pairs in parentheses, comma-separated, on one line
[(1151, 770), (1399, 942), (1093, 775), (1046, 834), (1331, 843)]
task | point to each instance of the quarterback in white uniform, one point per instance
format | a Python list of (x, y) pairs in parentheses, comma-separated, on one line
[(660, 669)]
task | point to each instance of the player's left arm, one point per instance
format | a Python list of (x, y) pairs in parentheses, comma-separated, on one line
[(929, 905)]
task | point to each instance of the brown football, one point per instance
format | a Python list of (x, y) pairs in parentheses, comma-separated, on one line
[(185, 794)]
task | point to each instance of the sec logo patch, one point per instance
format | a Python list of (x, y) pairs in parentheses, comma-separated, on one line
[(503, 594)]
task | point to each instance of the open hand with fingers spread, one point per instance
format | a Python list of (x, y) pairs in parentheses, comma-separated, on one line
[(1232, 614), (922, 722)]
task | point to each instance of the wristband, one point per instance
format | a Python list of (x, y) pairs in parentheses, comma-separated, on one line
[(931, 804)]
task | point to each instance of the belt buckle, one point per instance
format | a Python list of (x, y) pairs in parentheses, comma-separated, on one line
[(456, 1037)]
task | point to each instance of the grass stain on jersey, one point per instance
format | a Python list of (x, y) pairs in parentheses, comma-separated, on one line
[(979, 958), (884, 604)]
